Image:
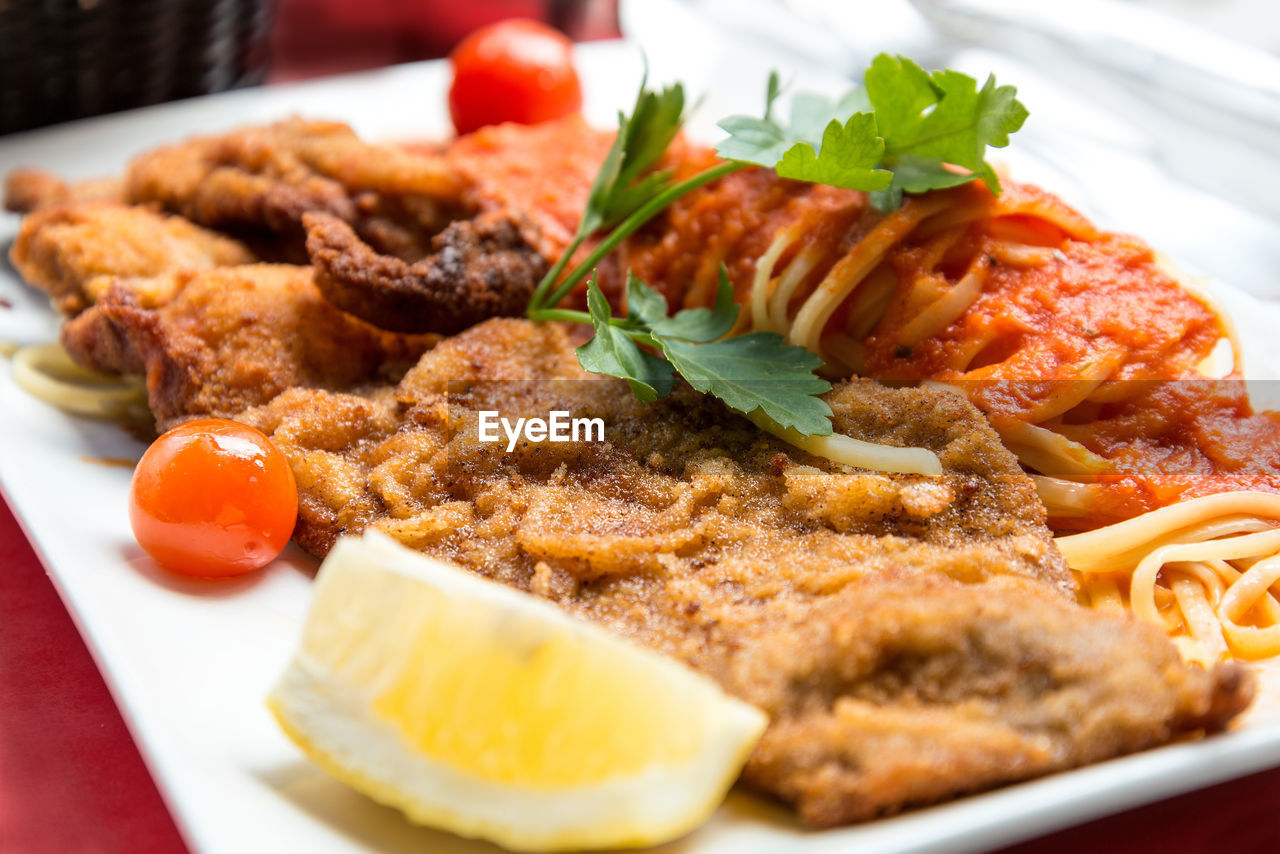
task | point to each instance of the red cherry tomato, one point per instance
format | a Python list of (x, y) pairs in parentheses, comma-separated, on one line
[(212, 499), (512, 71)]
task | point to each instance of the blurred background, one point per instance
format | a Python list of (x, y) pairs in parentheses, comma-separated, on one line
[(318, 37), (66, 59)]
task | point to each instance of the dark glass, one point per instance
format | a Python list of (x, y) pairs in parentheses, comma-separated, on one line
[(67, 59)]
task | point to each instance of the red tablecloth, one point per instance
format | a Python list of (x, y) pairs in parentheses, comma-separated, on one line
[(71, 779)]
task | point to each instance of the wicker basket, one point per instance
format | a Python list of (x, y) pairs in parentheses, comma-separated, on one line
[(66, 59)]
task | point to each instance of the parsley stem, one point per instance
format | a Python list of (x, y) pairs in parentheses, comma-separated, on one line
[(567, 315), (625, 228), (570, 315), (537, 300)]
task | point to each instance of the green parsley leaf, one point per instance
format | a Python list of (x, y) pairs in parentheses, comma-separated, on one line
[(847, 157), (699, 324), (916, 175), (765, 141), (753, 140), (812, 112), (748, 372), (618, 190), (771, 93), (906, 131), (645, 306), (930, 119), (757, 371), (612, 352)]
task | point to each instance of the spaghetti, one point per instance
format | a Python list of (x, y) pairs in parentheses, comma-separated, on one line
[(46, 371), (1205, 569), (1108, 377)]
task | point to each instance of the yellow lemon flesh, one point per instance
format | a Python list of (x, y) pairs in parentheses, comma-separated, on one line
[(487, 712)]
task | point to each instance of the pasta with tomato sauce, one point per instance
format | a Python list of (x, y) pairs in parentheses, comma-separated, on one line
[(1118, 386)]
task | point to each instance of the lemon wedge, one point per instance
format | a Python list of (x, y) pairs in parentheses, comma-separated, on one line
[(487, 712)]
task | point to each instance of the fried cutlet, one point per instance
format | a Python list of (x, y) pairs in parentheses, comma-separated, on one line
[(72, 250), (412, 238), (476, 269), (26, 190), (911, 638), (230, 338), (257, 182)]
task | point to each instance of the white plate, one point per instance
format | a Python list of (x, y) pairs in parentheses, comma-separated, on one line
[(190, 663)]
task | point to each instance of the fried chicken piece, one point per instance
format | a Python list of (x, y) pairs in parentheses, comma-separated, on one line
[(477, 269), (259, 181), (910, 638), (73, 250), (231, 338), (26, 190)]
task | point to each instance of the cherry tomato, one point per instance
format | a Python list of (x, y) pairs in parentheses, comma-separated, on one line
[(512, 71), (212, 499)]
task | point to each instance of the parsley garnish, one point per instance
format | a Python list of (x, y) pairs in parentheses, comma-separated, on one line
[(756, 371), (907, 130), (623, 197)]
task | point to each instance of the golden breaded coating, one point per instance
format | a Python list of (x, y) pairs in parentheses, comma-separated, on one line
[(73, 250), (231, 338), (25, 190), (905, 688), (477, 269), (257, 182), (910, 638)]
